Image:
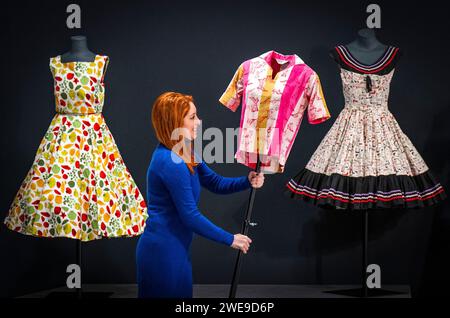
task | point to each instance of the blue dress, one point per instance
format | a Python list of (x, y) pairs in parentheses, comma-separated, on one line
[(164, 267)]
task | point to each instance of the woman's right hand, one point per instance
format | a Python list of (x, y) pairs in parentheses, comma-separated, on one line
[(241, 242)]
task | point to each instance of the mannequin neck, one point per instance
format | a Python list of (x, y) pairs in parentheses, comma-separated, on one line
[(79, 51), (79, 45), (366, 48), (367, 40)]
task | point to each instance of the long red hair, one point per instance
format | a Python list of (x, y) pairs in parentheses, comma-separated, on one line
[(168, 113)]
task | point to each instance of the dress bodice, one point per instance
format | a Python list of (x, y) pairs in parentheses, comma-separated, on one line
[(78, 86), (358, 95), (366, 87)]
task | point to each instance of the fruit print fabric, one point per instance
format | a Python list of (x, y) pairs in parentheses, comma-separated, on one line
[(79, 87), (78, 186)]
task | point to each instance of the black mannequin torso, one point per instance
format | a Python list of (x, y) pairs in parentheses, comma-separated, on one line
[(366, 55), (366, 48), (79, 51)]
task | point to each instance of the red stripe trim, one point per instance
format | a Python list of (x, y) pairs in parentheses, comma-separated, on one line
[(349, 63), (429, 196), (366, 200)]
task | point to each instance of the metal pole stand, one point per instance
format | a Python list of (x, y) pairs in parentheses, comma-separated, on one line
[(79, 294), (364, 291), (245, 227)]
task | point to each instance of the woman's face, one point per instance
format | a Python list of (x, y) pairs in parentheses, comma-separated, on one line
[(191, 122)]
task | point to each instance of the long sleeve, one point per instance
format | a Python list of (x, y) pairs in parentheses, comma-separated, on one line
[(219, 184), (176, 178)]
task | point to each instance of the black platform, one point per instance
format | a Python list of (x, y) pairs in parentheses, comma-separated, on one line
[(243, 291)]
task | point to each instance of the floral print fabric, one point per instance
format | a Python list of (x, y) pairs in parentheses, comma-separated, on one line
[(78, 186)]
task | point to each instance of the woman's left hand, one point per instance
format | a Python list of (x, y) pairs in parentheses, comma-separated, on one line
[(256, 179)]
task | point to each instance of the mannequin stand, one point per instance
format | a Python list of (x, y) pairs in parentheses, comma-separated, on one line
[(364, 291), (78, 293), (79, 52), (245, 227)]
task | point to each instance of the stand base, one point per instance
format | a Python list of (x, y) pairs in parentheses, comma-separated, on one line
[(359, 292), (76, 295), (221, 291)]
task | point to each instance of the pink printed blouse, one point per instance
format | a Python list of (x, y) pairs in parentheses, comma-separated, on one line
[(274, 90)]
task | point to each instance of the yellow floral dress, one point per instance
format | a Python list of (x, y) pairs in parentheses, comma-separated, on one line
[(78, 186)]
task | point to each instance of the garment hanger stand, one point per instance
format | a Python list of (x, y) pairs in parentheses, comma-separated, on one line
[(364, 291), (78, 293), (245, 227)]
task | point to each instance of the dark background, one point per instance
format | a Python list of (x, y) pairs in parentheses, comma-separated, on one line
[(195, 47)]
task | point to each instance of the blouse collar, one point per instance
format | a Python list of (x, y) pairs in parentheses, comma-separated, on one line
[(291, 60)]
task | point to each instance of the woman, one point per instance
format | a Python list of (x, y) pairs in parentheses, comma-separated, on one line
[(173, 187)]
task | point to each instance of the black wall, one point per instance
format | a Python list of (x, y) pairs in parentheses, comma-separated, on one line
[(195, 47)]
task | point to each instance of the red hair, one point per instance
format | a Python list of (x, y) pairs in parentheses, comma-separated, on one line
[(168, 113)]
